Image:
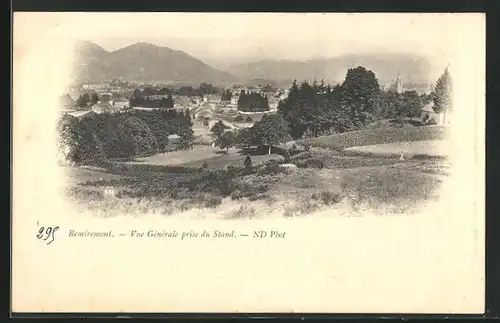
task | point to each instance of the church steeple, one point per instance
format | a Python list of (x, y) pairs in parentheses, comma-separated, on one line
[(399, 83)]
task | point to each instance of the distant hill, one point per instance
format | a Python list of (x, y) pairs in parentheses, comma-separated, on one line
[(143, 62), (260, 81), (412, 68)]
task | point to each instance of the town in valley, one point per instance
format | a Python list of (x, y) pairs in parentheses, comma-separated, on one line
[(150, 129)]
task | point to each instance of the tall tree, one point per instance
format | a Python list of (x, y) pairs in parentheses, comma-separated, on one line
[(252, 102), (187, 117), (442, 94), (218, 128), (359, 95), (311, 110), (186, 138), (246, 138), (94, 98), (226, 140), (271, 130), (412, 103), (83, 100)]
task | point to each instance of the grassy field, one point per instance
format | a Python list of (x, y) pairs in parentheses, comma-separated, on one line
[(213, 157), (391, 123), (339, 183), (375, 137), (409, 149), (343, 173)]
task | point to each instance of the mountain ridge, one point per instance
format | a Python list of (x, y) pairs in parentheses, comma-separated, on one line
[(143, 62), (412, 68), (150, 62)]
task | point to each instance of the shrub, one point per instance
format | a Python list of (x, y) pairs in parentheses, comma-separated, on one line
[(327, 197), (248, 190), (311, 163), (248, 162), (238, 118), (244, 211), (303, 207), (200, 201), (249, 119), (272, 167), (307, 206), (212, 201), (307, 146), (233, 171), (302, 156), (287, 156)]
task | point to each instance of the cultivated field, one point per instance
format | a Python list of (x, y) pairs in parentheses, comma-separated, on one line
[(376, 137), (408, 148)]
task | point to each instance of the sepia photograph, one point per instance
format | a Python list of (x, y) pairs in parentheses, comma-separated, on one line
[(248, 162)]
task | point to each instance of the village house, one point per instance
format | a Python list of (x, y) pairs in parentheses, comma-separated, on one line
[(145, 109), (80, 113), (429, 116), (121, 104), (234, 100), (213, 98), (104, 105)]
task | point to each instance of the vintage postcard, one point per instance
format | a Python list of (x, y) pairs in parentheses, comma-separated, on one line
[(248, 162)]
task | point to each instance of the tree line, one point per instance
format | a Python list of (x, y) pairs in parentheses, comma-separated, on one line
[(311, 110), (252, 102), (143, 99), (226, 95), (316, 109), (87, 99), (269, 132), (122, 135)]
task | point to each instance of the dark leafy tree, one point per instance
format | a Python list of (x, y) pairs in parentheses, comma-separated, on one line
[(312, 109), (218, 128), (225, 140), (83, 100), (252, 102), (94, 98), (247, 162), (226, 95), (358, 97), (246, 138), (271, 130), (186, 138), (412, 103)]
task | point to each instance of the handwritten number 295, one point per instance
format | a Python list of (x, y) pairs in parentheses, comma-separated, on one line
[(46, 233)]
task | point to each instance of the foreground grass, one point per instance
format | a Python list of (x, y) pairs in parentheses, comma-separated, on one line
[(398, 188), (376, 184)]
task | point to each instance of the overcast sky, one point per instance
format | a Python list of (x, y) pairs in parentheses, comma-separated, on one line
[(267, 35)]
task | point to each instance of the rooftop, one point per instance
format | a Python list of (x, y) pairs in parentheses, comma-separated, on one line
[(428, 107)]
